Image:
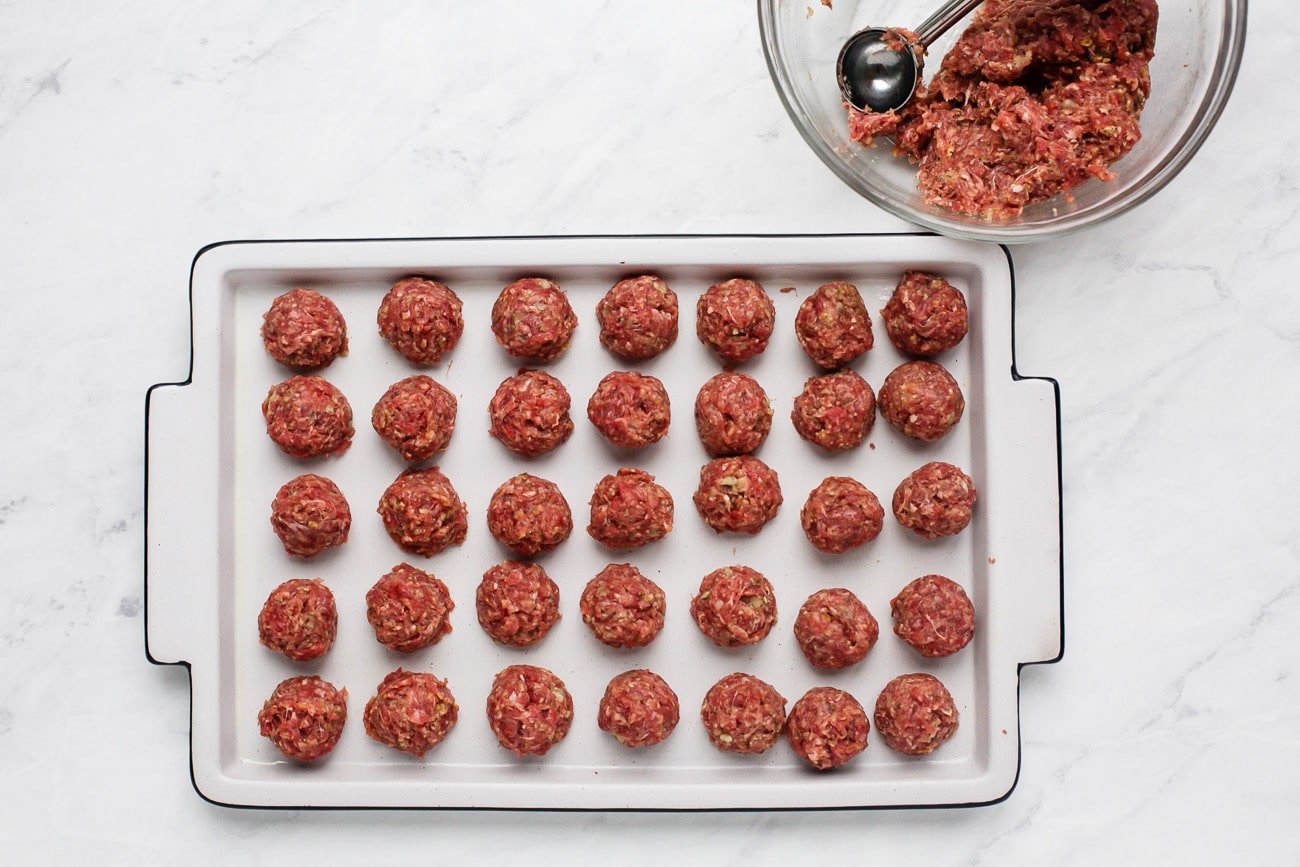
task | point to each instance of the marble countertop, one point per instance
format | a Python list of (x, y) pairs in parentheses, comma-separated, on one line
[(132, 134)]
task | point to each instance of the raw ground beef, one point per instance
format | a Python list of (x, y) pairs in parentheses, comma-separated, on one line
[(304, 717), (299, 619), (732, 414), (827, 727), (736, 606), (835, 411), (410, 711), (416, 416), (743, 714), (423, 513), (933, 615), (532, 319), (841, 513), (629, 509), (738, 495), (638, 318), (925, 315), (529, 515), (922, 400), (529, 710), (622, 607), (409, 609), (304, 329), (421, 319), (631, 410), (517, 603), (833, 325), (935, 500), (834, 629), (639, 709), (530, 413), (915, 714), (735, 319), (307, 417), (309, 514)]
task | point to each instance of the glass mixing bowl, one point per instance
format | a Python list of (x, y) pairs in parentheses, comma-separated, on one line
[(1198, 50)]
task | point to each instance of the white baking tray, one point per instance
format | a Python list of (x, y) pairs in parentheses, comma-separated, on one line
[(212, 558)]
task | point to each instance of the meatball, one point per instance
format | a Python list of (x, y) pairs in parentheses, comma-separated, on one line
[(529, 515), (935, 500), (629, 509), (421, 319), (738, 495), (622, 607), (410, 711), (827, 727), (530, 413), (423, 513), (638, 318), (409, 609), (833, 325), (304, 717), (915, 714), (841, 513), (835, 411), (517, 603), (732, 414), (529, 709), (630, 409), (735, 319), (743, 714), (834, 629), (925, 315), (922, 400), (310, 515), (416, 416), (639, 709), (532, 319), (736, 606), (299, 619), (304, 329), (307, 417), (934, 615)]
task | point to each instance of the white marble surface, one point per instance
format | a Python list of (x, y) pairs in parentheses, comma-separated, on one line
[(133, 133)]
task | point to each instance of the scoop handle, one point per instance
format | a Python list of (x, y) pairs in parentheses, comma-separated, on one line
[(943, 19)]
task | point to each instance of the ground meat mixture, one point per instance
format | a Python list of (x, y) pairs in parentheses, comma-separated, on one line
[(304, 717), (421, 318), (827, 727), (309, 514), (736, 606), (409, 609), (423, 513), (835, 411), (922, 400), (833, 325), (411, 712), (1036, 97), (304, 329), (639, 709), (841, 513), (732, 414), (622, 607), (630, 409), (299, 619), (935, 500), (307, 417), (925, 315), (416, 416), (735, 319), (934, 615), (517, 603), (743, 714), (529, 710), (629, 509), (834, 629), (530, 413), (638, 318), (915, 714), (532, 319), (738, 495), (529, 515)]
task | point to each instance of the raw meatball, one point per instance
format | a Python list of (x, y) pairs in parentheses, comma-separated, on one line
[(835, 411), (925, 315), (732, 414), (304, 717), (421, 319), (935, 500), (738, 495), (529, 710), (638, 318), (530, 413), (304, 329), (622, 607), (409, 609), (630, 409), (833, 325), (827, 727), (416, 416), (735, 319), (423, 513), (743, 714), (529, 515), (310, 515), (841, 513), (934, 615), (532, 319), (922, 400), (629, 510), (308, 418), (411, 712), (915, 714), (639, 709), (518, 603), (736, 606), (834, 629), (299, 619)]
